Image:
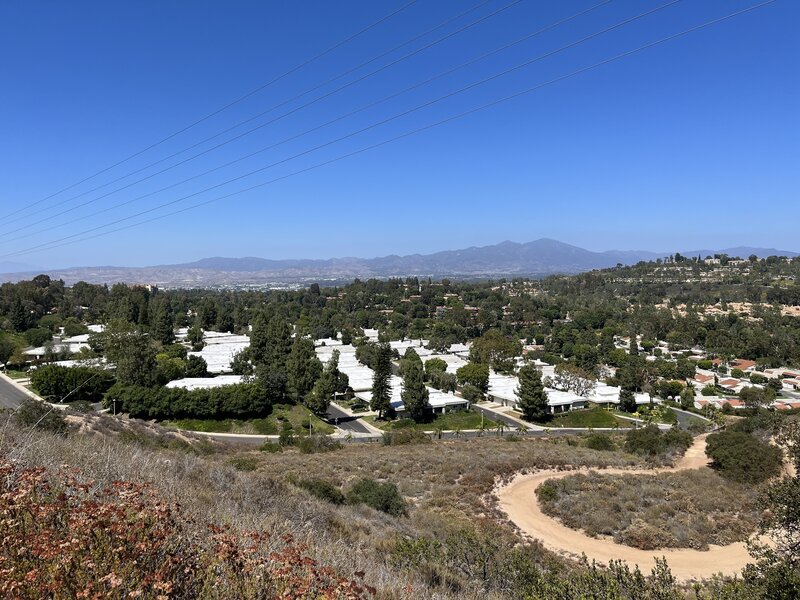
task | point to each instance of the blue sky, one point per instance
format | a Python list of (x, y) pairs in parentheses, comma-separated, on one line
[(693, 143)]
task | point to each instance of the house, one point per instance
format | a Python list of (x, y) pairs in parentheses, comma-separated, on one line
[(743, 365), (703, 379), (205, 383)]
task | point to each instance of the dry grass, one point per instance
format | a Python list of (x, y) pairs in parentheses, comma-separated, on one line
[(445, 483), (688, 509)]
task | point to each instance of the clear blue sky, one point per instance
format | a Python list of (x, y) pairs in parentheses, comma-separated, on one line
[(694, 143)]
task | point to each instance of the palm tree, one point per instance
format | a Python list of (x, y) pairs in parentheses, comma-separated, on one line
[(523, 429), (500, 428)]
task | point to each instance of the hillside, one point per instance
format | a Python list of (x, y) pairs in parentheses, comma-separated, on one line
[(536, 258)]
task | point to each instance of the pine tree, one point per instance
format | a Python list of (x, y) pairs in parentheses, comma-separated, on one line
[(325, 387), (414, 394), (279, 342), (627, 401), (532, 398), (634, 346), (163, 323), (382, 371), (303, 368)]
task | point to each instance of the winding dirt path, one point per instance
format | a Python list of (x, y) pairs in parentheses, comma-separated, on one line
[(518, 500)]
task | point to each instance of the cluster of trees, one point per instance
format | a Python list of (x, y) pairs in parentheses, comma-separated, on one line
[(70, 384), (231, 401)]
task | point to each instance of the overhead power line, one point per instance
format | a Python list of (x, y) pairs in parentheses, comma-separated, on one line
[(269, 110), (230, 104), (384, 121), (463, 114), (339, 118)]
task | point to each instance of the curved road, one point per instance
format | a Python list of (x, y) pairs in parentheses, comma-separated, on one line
[(518, 501)]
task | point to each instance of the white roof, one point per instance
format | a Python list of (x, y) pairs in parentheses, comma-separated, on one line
[(436, 398), (205, 383), (77, 339), (454, 363), (220, 349)]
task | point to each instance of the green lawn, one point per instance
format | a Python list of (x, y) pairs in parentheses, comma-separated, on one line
[(457, 420), (590, 417), (298, 416), (659, 414), (16, 374)]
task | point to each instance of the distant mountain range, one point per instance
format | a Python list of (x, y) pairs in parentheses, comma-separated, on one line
[(537, 258)]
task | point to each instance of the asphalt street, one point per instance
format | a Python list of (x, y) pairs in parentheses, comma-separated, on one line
[(342, 420), (10, 395)]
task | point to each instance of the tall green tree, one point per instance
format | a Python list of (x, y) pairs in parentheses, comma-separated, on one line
[(132, 352), (163, 322), (303, 368), (414, 392), (382, 371), (532, 397), (279, 342), (325, 387)]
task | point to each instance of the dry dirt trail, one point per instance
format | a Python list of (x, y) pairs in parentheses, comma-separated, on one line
[(518, 501)]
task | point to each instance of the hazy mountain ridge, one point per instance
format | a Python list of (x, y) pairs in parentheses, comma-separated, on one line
[(539, 257)]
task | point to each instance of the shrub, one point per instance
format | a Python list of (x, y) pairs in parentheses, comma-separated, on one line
[(244, 463), (381, 496), (743, 458), (33, 413), (311, 444), (600, 441), (65, 537), (71, 383), (322, 489), (406, 435), (651, 442), (271, 447), (709, 390)]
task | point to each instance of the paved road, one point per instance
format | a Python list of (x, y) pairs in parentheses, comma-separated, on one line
[(342, 420), (10, 395), (496, 415)]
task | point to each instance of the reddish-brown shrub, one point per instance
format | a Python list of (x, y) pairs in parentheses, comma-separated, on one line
[(60, 537)]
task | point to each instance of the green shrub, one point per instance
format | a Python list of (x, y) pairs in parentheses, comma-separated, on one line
[(312, 444), (651, 442), (547, 492), (33, 413), (407, 435), (322, 489), (600, 441), (381, 496), (740, 457), (71, 383), (271, 447), (244, 463)]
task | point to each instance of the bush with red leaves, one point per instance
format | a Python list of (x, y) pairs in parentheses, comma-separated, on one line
[(60, 537)]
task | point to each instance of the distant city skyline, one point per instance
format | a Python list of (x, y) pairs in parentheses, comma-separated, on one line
[(692, 143)]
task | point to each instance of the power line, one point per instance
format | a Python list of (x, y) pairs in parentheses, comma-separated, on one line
[(384, 121), (314, 58), (346, 115), (51, 245), (267, 111)]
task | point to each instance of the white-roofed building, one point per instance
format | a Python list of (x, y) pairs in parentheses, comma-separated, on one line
[(359, 376), (205, 383), (454, 363), (439, 401), (219, 350)]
